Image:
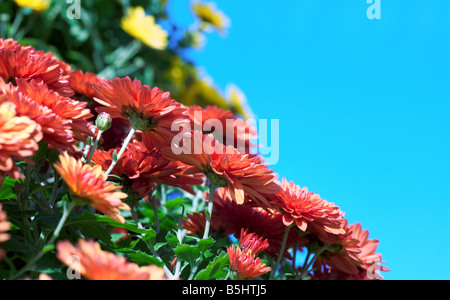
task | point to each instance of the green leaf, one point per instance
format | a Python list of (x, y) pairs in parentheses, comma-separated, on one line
[(114, 155), (187, 253), (96, 231), (215, 269), (172, 239), (142, 258), (7, 189), (89, 218), (42, 152), (53, 156), (174, 203), (150, 236), (205, 244)]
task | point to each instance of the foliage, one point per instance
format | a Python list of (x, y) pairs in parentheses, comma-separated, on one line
[(89, 171)]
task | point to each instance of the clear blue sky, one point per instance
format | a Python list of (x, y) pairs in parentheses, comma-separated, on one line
[(364, 110)]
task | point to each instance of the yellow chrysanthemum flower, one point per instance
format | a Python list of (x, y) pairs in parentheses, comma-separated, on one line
[(238, 101), (143, 27), (210, 15), (36, 5)]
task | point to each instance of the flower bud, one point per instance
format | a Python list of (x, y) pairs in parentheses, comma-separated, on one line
[(103, 121)]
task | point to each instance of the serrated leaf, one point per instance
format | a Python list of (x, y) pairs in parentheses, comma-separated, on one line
[(7, 189), (205, 244), (215, 269), (150, 236), (172, 239), (187, 253), (142, 258), (88, 217)]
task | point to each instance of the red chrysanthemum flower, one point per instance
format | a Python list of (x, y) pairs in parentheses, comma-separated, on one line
[(228, 218), (18, 61), (243, 174), (90, 261), (243, 258), (232, 217), (195, 223), (371, 260), (355, 258), (75, 112), (309, 211), (88, 185), (60, 118), (141, 168), (224, 125), (81, 82), (245, 263), (149, 110), (19, 137), (252, 242), (4, 227)]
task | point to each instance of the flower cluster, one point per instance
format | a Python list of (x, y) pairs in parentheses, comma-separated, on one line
[(202, 153), (4, 227)]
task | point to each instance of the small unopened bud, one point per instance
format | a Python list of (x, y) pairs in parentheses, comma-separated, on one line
[(103, 121)]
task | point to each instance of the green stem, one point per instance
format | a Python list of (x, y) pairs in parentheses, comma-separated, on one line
[(55, 188), (312, 261), (155, 212), (16, 23), (180, 240), (136, 217), (155, 254), (280, 255), (294, 257), (48, 245), (212, 189), (92, 150), (122, 150), (305, 264)]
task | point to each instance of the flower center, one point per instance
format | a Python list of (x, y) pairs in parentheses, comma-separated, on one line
[(138, 120)]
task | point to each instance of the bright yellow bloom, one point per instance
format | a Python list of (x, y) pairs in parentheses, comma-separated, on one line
[(143, 27), (36, 5), (237, 101), (210, 15)]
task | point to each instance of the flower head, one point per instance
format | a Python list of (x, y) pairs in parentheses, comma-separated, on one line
[(210, 16), (81, 82), (4, 227), (19, 135), (148, 110), (355, 256), (238, 101), (368, 255), (231, 217), (52, 108), (252, 242), (309, 211), (243, 174), (95, 264), (141, 167), (18, 61), (36, 5), (245, 263), (143, 27), (224, 126), (88, 185)]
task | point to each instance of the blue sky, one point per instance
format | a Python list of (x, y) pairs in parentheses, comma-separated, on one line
[(363, 107)]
